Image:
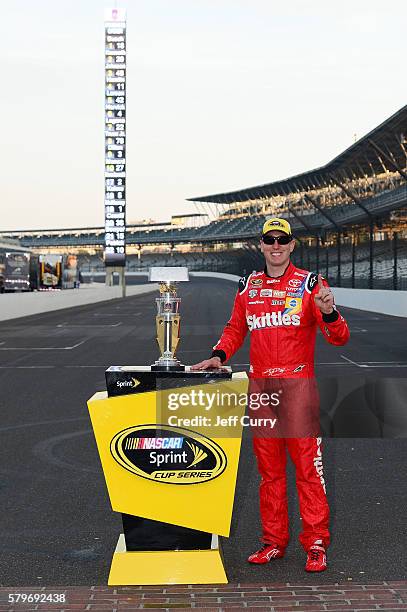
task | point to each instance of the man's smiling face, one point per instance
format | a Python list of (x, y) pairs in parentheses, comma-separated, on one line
[(277, 255)]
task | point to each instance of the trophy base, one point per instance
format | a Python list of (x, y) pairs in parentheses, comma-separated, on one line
[(163, 367), (125, 380)]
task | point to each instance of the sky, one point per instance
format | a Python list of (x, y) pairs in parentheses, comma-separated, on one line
[(221, 95)]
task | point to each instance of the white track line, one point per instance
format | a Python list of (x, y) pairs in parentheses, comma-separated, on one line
[(90, 325), (358, 365), (48, 367), (86, 366), (43, 348), (377, 364), (41, 423), (389, 365), (39, 367), (386, 362), (114, 314)]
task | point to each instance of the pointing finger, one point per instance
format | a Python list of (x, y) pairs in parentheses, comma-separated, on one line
[(320, 283)]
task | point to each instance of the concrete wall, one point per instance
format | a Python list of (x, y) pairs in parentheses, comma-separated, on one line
[(15, 305), (374, 300), (231, 277)]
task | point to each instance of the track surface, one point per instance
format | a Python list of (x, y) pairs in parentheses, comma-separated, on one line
[(57, 527)]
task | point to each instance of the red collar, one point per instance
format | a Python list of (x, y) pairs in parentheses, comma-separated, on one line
[(287, 272)]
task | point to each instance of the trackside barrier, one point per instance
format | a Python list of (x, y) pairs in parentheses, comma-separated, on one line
[(373, 300), (15, 305)]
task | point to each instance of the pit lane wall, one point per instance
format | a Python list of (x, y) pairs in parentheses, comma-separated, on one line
[(15, 305), (373, 300)]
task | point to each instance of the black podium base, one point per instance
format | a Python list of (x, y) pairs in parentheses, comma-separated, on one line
[(145, 534), (124, 380), (169, 368)]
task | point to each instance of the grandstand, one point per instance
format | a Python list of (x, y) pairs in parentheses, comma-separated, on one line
[(11, 244), (349, 217)]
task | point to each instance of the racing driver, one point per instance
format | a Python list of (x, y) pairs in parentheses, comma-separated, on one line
[(282, 306)]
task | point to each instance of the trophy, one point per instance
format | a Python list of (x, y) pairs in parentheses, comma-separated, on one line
[(168, 318)]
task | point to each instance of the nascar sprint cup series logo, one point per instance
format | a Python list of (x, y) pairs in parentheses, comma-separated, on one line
[(171, 455)]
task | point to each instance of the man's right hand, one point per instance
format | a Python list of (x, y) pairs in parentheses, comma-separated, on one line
[(208, 364)]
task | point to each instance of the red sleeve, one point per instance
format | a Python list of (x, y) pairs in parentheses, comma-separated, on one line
[(235, 329), (335, 331)]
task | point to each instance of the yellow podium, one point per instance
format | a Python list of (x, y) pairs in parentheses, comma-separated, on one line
[(170, 460)]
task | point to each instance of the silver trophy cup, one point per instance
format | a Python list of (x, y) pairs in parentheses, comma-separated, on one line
[(168, 318)]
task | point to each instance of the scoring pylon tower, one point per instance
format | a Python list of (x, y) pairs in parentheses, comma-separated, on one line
[(115, 143)]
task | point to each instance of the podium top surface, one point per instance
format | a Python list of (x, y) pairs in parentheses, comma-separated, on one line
[(223, 372), (124, 380)]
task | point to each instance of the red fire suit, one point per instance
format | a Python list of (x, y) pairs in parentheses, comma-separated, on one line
[(282, 317)]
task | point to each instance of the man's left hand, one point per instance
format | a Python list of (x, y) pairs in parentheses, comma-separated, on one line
[(324, 299)]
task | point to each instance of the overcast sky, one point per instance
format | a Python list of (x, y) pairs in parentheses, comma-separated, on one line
[(222, 94)]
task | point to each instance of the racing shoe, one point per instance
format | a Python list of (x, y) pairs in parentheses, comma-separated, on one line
[(266, 553), (316, 559)]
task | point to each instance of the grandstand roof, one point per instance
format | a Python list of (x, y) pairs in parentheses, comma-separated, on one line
[(188, 216), (78, 230), (380, 149), (11, 245)]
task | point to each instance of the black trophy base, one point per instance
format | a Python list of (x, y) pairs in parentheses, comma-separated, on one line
[(156, 367), (125, 380)]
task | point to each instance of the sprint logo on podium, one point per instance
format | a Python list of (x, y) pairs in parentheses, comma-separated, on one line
[(171, 455)]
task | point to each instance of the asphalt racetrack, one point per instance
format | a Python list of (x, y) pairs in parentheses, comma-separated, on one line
[(57, 527)]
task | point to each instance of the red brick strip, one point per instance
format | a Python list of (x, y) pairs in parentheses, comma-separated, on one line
[(274, 597)]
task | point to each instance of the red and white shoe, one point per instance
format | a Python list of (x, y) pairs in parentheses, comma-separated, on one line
[(316, 560), (266, 553)]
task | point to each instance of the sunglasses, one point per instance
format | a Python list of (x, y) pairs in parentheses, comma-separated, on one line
[(280, 239)]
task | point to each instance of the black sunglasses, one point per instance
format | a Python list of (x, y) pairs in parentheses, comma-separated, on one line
[(280, 239)]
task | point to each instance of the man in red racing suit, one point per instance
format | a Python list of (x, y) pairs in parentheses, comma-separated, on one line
[(282, 307)]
